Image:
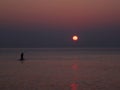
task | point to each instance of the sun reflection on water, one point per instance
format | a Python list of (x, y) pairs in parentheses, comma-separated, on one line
[(74, 86)]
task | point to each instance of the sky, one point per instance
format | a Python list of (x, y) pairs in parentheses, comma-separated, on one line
[(52, 23)]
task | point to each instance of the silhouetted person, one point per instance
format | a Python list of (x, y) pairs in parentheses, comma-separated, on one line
[(22, 57)]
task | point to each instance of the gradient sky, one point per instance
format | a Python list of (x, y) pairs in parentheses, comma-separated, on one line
[(51, 23)]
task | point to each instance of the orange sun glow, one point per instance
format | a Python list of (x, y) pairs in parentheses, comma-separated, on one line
[(75, 38)]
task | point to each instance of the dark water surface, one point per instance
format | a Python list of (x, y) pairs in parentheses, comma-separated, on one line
[(58, 53)]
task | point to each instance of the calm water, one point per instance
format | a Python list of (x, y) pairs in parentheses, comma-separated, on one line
[(90, 75), (59, 53)]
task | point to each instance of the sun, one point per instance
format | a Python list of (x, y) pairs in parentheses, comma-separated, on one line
[(75, 38)]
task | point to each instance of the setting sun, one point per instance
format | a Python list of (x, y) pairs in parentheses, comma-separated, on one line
[(75, 38)]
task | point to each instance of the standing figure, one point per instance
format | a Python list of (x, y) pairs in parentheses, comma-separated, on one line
[(22, 57)]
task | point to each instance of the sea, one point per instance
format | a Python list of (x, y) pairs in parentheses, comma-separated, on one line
[(58, 69), (60, 53)]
